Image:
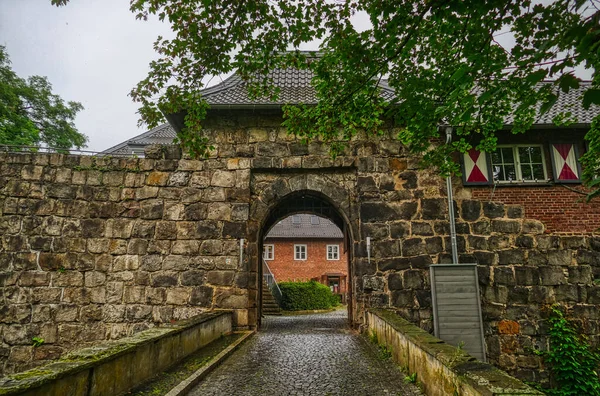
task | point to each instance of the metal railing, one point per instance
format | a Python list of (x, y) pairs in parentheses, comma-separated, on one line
[(11, 148), (271, 282)]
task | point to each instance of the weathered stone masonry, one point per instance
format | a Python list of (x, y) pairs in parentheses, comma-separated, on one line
[(98, 248)]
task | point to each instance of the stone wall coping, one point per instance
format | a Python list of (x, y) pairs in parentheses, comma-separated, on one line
[(482, 378), (85, 358)]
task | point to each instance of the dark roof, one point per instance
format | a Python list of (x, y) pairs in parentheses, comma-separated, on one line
[(570, 101), (286, 228), (294, 84), (162, 134)]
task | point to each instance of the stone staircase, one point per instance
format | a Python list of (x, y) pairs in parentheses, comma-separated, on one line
[(269, 304)]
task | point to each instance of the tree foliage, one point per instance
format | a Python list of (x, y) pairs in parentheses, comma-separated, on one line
[(444, 58), (31, 115)]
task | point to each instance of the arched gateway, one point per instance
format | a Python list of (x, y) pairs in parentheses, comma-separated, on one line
[(299, 198)]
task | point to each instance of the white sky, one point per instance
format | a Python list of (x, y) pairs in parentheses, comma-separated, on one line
[(93, 52)]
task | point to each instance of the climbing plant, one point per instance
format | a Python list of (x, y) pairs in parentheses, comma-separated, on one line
[(572, 361)]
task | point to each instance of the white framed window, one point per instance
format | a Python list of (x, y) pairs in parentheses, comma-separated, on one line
[(299, 252), (296, 219), (314, 220), (333, 252), (268, 252), (519, 163)]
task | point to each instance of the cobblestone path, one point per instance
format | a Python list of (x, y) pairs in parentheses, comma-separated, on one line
[(305, 355)]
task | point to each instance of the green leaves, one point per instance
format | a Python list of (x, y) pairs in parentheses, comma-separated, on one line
[(590, 97), (447, 62), (31, 115), (572, 361)]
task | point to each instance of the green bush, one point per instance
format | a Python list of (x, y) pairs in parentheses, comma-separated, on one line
[(302, 296)]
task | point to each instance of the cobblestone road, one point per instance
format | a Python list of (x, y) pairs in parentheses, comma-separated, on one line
[(305, 355)]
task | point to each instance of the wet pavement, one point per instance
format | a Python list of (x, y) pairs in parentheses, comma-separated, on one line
[(306, 355)]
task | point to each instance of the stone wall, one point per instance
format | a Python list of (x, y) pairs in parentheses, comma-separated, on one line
[(100, 248)]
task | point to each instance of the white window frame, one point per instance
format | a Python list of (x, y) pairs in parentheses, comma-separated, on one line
[(298, 253), (517, 164), (266, 252), (335, 253)]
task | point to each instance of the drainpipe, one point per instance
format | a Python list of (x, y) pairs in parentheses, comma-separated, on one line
[(451, 206)]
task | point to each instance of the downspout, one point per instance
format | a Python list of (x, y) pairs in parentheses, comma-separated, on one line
[(451, 206)]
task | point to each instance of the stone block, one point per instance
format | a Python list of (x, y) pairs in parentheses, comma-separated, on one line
[(559, 257), (525, 241), (533, 227), (397, 264), (164, 279), (193, 278), (527, 276), (202, 296), (434, 245), (567, 293), (223, 178), (506, 226), (574, 242), (385, 249), (403, 299), (476, 242), (372, 283), (515, 211), (398, 229), (421, 228), (65, 313), (220, 278), (434, 209), (178, 295), (67, 279), (413, 279), (167, 230), (411, 247), (518, 295), (34, 278), (92, 228), (511, 256), (551, 276), (493, 210), (504, 276), (151, 263), (119, 228), (470, 210), (581, 274), (138, 312), (482, 227), (231, 299), (394, 281)]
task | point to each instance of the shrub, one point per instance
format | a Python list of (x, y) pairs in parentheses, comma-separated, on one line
[(301, 296), (572, 361)]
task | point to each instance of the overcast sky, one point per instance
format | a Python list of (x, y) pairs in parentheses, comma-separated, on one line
[(92, 51)]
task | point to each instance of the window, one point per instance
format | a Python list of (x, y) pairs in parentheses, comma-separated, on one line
[(518, 163), (296, 219), (268, 252), (333, 252), (299, 252), (314, 220)]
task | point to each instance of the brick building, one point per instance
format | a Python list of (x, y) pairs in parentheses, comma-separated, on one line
[(306, 247)]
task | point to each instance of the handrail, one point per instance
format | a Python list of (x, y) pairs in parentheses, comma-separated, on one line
[(271, 282)]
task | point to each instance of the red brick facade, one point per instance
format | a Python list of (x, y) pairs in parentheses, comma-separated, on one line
[(557, 206), (316, 266)]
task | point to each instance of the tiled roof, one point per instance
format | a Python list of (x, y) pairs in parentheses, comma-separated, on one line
[(570, 101), (305, 228), (294, 84), (162, 134)]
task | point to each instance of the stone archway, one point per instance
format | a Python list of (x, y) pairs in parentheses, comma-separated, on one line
[(284, 195)]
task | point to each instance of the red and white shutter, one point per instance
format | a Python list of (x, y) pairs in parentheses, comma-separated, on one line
[(476, 167), (564, 156)]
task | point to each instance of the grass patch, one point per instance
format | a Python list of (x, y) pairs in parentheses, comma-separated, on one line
[(165, 381)]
